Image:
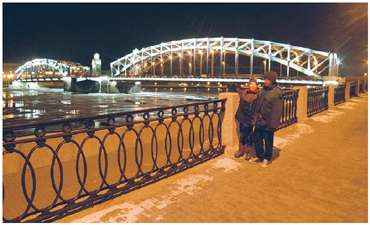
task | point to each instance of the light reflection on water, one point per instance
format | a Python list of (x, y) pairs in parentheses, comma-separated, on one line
[(20, 106)]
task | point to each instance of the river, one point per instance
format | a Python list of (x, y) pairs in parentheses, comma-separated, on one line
[(22, 106)]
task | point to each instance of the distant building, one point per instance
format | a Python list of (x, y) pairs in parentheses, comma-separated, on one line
[(8, 73)]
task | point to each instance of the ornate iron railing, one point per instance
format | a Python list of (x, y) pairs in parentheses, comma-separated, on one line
[(289, 115), (352, 89), (317, 100), (339, 94), (53, 169)]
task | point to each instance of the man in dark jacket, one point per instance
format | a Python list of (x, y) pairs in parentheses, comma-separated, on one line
[(268, 114)]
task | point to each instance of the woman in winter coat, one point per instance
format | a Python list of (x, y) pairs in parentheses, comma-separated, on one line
[(246, 118)]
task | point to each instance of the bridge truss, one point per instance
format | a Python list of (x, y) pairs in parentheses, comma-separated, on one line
[(49, 68), (197, 57)]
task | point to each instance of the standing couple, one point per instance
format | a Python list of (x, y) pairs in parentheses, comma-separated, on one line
[(258, 116)]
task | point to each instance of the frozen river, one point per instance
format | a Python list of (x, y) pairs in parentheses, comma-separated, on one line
[(21, 106)]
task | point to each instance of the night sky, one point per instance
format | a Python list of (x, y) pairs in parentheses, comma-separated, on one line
[(75, 31)]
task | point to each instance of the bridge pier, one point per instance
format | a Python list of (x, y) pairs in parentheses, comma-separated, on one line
[(69, 84), (100, 85)]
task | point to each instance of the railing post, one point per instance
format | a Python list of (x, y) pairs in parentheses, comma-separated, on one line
[(230, 137), (331, 92), (302, 103), (347, 91), (358, 83)]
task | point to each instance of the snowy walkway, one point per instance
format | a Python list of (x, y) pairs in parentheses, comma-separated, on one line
[(320, 175)]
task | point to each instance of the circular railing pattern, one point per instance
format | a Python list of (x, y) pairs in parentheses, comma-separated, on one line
[(90, 160)]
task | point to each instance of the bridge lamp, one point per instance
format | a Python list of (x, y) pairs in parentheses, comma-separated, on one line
[(153, 63), (189, 52), (212, 51), (339, 61), (180, 55), (161, 60), (200, 52), (170, 57)]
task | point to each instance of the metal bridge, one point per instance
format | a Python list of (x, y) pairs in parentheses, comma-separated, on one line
[(49, 69), (208, 57), (216, 59)]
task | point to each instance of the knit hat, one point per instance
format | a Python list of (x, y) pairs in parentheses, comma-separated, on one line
[(270, 76)]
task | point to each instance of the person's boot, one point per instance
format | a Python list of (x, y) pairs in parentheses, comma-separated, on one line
[(248, 154), (241, 151), (252, 152), (265, 163)]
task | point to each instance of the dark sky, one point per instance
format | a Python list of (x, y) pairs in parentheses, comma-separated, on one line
[(75, 31)]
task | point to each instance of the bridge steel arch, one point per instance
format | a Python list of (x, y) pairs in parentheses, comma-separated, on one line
[(61, 68), (307, 61), (49, 64)]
